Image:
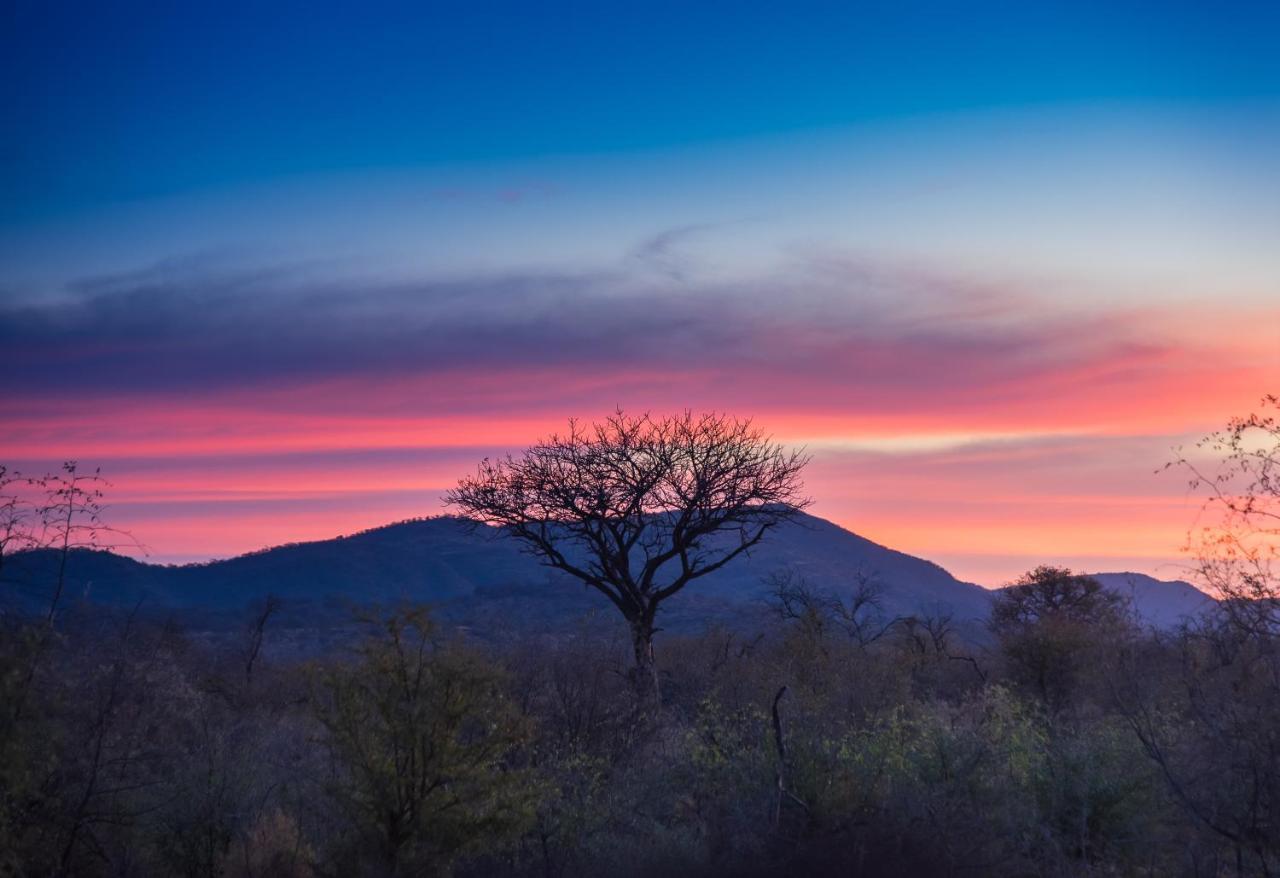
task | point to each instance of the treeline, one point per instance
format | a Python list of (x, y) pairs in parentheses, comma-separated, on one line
[(831, 741)]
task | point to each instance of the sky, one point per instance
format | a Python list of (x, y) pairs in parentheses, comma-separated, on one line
[(286, 273)]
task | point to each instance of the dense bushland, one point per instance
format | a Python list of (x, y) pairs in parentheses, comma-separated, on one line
[(1073, 742)]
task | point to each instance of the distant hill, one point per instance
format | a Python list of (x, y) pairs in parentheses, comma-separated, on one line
[(1160, 602), (472, 571), (477, 577)]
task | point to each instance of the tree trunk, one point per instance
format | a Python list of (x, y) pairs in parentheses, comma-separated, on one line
[(645, 673)]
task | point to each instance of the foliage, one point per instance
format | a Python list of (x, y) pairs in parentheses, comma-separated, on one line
[(1049, 625), (421, 737)]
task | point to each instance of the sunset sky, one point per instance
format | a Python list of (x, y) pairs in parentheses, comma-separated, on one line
[(288, 274)]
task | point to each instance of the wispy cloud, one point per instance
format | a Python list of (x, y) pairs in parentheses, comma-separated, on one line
[(830, 334)]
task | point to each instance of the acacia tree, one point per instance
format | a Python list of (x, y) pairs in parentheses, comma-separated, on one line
[(639, 507), (1048, 622)]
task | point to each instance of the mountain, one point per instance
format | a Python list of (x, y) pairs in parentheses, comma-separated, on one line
[(1159, 602), (477, 577), (474, 573)]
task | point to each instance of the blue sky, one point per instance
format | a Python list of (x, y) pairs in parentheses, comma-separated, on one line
[(142, 133), (122, 101)]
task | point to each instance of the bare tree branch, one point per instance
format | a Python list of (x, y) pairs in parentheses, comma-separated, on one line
[(639, 507)]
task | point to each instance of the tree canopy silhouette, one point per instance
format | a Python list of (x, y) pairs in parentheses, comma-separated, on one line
[(639, 507)]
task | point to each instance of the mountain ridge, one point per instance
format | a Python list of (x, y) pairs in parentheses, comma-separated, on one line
[(471, 572)]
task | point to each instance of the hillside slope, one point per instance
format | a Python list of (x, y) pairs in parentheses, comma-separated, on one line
[(448, 562), (477, 576)]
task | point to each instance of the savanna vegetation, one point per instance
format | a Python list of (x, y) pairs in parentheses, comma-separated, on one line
[(835, 739)]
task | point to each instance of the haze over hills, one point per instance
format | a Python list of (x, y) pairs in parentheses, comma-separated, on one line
[(477, 577)]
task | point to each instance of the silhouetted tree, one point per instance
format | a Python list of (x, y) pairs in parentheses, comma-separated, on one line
[(1047, 620), (639, 507), (1237, 545), (795, 600), (17, 515), (816, 612), (64, 515)]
